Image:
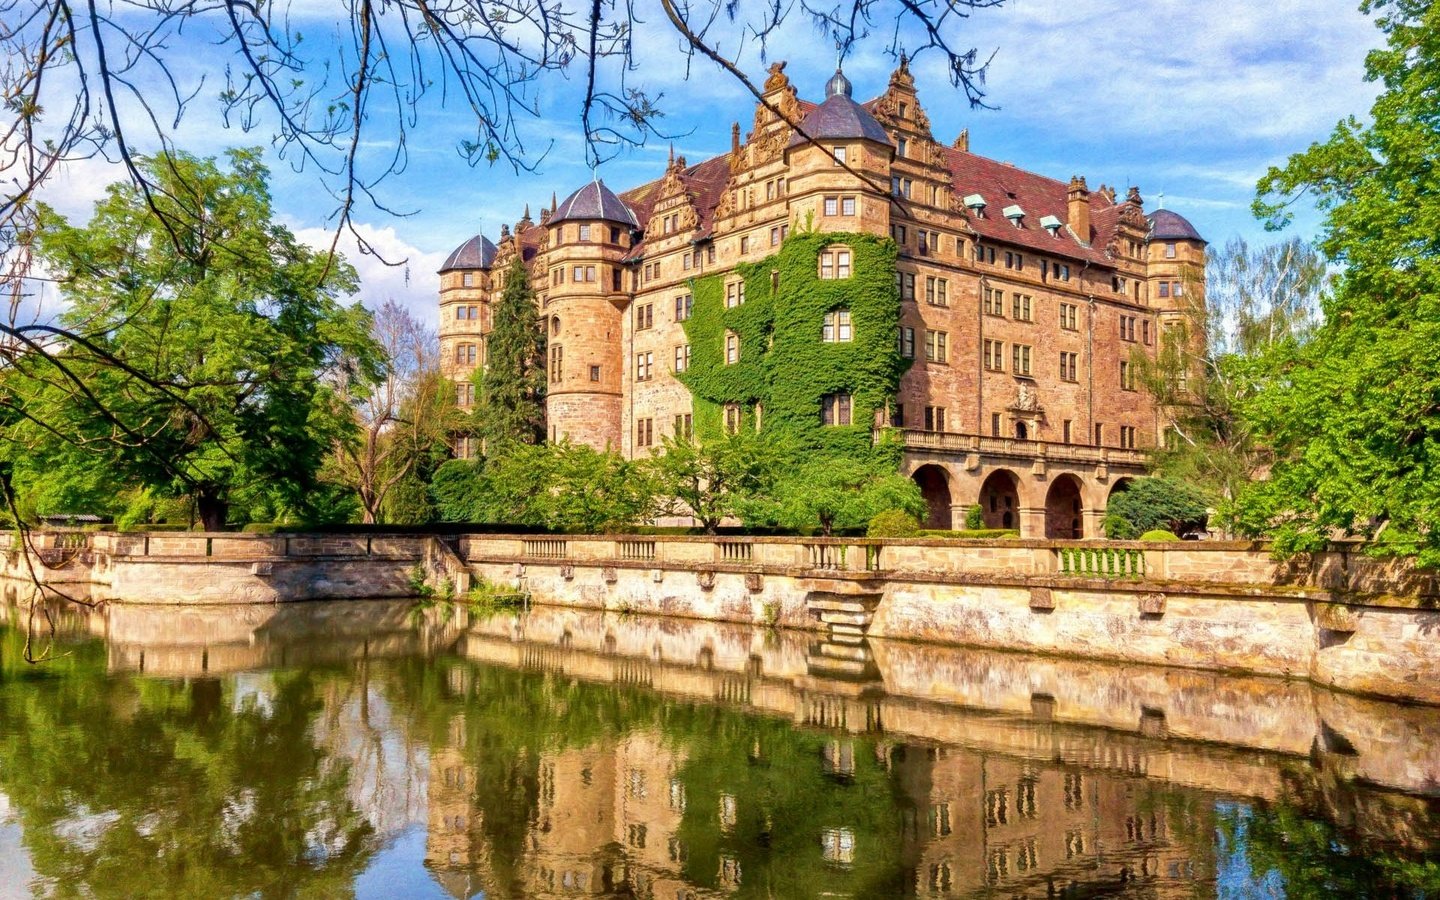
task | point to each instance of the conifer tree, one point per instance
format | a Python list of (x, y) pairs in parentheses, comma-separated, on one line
[(511, 386)]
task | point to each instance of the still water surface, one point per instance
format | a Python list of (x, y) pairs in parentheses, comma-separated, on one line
[(382, 750)]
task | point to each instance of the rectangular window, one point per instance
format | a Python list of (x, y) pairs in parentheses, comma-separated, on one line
[(1069, 317), (682, 358), (1127, 376), (1065, 272), (1145, 332), (744, 244), (936, 291), (557, 362), (994, 355), (832, 206), (897, 416), (594, 373), (922, 241), (1069, 366), (1127, 437), (732, 348), (1164, 289), (734, 293), (836, 329), (907, 286), (1099, 434), (770, 189), (839, 154), (1175, 289), (907, 342), (1065, 429), (579, 274), (590, 273), (468, 279), (644, 366), (994, 302), (615, 279), (1169, 251), (644, 316), (732, 418), (1021, 307), (685, 262), (775, 236), (934, 418), (1127, 328), (835, 409), (995, 424), (898, 234), (465, 393), (584, 232), (937, 346), (834, 264), (684, 305), (847, 206), (644, 432), (1020, 359), (684, 426)]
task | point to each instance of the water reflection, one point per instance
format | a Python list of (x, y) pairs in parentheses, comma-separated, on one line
[(373, 749)]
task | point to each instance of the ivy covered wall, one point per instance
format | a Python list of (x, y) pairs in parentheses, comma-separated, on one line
[(785, 367)]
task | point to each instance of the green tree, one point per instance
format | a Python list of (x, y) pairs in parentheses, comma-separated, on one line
[(1352, 417), (205, 344), (708, 480), (836, 493), (1154, 504), (510, 387), (1257, 303)]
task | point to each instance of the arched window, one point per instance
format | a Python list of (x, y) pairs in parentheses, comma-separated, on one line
[(835, 263), (836, 329), (554, 324)]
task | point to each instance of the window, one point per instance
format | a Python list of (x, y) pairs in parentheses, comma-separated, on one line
[(1069, 366), (937, 291), (710, 254), (994, 355), (902, 145), (904, 109), (775, 236), (1170, 251), (836, 329), (1014, 261), (1065, 431), (644, 366), (1127, 376), (732, 348), (995, 423), (594, 373), (984, 254), (1020, 307), (554, 325), (684, 428), (907, 285), (1175, 289), (832, 206), (1127, 328), (682, 358), (835, 264), (644, 432), (584, 232), (839, 154), (465, 393), (685, 262), (770, 189), (1020, 359), (937, 346), (835, 409), (1164, 289), (468, 279), (1127, 437), (847, 206), (922, 241), (744, 244), (1145, 332), (734, 294), (934, 418), (907, 342), (644, 316), (1069, 317), (557, 362), (897, 416), (684, 304), (614, 235), (994, 302), (732, 418), (465, 354), (1099, 434), (897, 233)]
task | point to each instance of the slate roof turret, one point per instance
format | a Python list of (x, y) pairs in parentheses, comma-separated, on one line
[(476, 253), (1168, 225), (594, 201), (839, 117)]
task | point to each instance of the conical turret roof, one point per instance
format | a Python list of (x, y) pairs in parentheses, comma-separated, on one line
[(476, 253), (594, 201)]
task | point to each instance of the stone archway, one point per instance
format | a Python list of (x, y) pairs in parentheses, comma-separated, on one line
[(934, 483), (1000, 499), (1121, 485), (1064, 509)]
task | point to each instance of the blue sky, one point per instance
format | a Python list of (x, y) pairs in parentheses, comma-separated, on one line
[(1192, 98)]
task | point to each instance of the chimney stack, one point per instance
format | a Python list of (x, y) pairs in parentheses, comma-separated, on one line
[(962, 141), (1078, 198)]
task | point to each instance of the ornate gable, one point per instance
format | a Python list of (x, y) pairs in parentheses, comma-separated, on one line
[(672, 198)]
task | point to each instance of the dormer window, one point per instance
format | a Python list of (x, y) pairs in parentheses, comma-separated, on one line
[(1016, 215), (976, 204), (1051, 224)]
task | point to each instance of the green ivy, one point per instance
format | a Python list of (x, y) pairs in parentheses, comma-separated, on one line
[(784, 366)]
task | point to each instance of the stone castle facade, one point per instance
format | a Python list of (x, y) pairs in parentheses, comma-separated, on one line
[(1026, 302)]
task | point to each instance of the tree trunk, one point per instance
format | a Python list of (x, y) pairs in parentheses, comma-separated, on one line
[(213, 509)]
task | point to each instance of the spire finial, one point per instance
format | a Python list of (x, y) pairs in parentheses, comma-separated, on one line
[(1160, 200)]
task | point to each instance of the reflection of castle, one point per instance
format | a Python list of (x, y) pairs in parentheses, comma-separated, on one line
[(607, 820)]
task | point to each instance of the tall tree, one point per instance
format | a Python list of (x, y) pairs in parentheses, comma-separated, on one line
[(202, 345), (1256, 303), (1354, 415), (393, 417), (709, 480), (511, 384)]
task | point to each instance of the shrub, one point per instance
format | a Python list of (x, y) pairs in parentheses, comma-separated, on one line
[(971, 533), (974, 518), (262, 528), (1159, 534), (1149, 504), (893, 523)]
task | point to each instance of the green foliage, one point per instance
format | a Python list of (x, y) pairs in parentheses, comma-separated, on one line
[(1150, 504), (975, 517), (561, 487), (510, 388), (893, 523), (426, 449), (971, 533), (708, 480), (835, 494), (1159, 534), (1352, 417), (784, 366), (212, 333)]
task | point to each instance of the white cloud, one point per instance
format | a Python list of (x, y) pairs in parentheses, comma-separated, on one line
[(413, 282)]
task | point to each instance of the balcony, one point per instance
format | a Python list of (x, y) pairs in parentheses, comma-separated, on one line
[(920, 441)]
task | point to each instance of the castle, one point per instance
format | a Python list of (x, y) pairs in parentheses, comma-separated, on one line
[(999, 335)]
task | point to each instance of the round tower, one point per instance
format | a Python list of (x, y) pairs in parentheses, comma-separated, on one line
[(590, 232), (1175, 264), (465, 294)]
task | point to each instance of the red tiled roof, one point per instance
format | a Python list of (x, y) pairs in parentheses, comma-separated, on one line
[(704, 181)]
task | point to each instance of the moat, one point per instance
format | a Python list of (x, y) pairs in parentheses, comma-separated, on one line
[(385, 749)]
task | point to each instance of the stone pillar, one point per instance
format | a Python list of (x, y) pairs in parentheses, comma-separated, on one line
[(1032, 522)]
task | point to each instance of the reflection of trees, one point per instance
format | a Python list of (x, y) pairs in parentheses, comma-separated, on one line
[(131, 787)]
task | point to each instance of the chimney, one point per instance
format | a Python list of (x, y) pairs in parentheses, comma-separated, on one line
[(962, 141), (1078, 199)]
